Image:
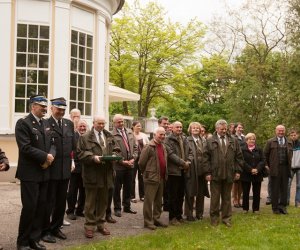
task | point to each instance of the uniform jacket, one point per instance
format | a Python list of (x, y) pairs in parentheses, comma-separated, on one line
[(133, 154), (175, 162), (252, 159), (198, 166), (34, 145), (96, 174), (3, 159), (149, 163), (64, 141), (271, 152), (232, 160)]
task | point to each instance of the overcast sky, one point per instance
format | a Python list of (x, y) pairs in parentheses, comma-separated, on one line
[(184, 10)]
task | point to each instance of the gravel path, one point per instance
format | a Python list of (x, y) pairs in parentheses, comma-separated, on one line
[(128, 224)]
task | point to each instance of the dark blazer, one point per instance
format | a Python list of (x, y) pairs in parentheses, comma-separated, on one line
[(34, 144), (133, 154), (96, 174), (271, 152), (252, 159), (198, 166), (64, 141), (232, 160), (175, 162), (78, 165)]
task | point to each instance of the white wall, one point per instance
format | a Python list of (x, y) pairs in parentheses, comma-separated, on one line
[(5, 66)]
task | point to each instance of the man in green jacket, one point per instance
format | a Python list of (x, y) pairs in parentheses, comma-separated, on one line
[(224, 160), (97, 174)]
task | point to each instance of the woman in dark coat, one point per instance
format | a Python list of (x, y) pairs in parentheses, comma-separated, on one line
[(254, 163), (195, 183)]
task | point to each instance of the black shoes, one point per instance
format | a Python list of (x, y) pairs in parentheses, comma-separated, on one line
[(283, 211), (36, 245), (48, 238), (276, 211), (71, 216), (130, 211), (19, 247), (118, 213), (59, 234)]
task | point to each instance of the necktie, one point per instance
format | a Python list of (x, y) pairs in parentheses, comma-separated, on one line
[(223, 144), (41, 122), (280, 141), (102, 144), (124, 139), (59, 123), (198, 143)]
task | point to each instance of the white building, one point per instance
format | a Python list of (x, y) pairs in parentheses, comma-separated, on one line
[(56, 48)]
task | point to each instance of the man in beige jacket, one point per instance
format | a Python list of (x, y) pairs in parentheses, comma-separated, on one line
[(153, 164)]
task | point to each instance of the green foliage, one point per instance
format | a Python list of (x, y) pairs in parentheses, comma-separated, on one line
[(249, 231), (148, 52)]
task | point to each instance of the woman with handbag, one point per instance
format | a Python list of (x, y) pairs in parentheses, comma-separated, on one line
[(254, 164)]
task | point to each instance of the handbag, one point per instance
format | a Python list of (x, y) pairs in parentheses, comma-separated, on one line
[(265, 171)]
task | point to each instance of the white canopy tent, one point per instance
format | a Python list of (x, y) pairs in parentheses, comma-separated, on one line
[(117, 94)]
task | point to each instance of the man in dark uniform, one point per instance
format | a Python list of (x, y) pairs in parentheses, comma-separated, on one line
[(34, 139), (60, 172)]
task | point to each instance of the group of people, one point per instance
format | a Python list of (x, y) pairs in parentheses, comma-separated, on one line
[(62, 161)]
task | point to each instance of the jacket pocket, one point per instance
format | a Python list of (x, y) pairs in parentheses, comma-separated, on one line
[(150, 176)]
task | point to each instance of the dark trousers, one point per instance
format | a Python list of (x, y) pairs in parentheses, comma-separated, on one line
[(176, 194), (123, 180), (110, 197), (279, 186), (136, 170), (76, 194), (166, 197), (34, 201), (56, 205), (256, 186)]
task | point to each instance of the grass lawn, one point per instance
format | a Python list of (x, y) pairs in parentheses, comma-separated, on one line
[(249, 231)]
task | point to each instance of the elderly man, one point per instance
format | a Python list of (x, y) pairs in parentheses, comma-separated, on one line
[(97, 174), (60, 172), (224, 166), (153, 164), (76, 193), (278, 152), (179, 160), (34, 142), (75, 116), (124, 169)]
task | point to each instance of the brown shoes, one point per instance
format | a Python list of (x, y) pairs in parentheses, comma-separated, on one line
[(104, 231), (110, 219), (89, 233)]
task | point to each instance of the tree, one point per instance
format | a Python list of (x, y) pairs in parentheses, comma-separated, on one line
[(148, 52)]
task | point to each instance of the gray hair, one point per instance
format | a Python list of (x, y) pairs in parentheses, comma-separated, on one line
[(159, 129), (117, 116), (220, 123)]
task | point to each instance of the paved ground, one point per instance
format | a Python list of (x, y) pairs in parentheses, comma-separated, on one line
[(128, 224)]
